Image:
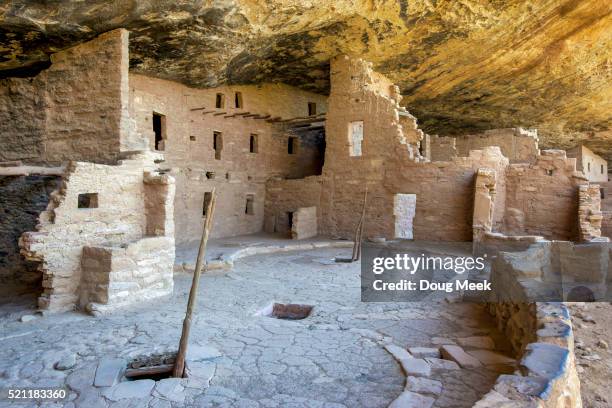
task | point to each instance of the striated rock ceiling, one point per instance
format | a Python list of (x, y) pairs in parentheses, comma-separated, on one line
[(462, 65)]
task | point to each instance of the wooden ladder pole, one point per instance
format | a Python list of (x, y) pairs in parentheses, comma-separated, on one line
[(359, 230), (179, 365)]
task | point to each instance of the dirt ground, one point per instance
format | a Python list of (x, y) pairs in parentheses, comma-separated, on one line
[(592, 325)]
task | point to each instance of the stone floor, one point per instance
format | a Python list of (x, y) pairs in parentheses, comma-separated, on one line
[(334, 358)]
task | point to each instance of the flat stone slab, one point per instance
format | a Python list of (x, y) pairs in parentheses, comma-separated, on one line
[(423, 352), (441, 364), (545, 360), (397, 352), (65, 363), (477, 342), (409, 399), (416, 367), (488, 357), (423, 385), (129, 389), (109, 371), (170, 389), (459, 356), (196, 352)]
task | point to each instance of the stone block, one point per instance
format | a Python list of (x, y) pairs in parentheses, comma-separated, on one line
[(423, 385), (458, 355), (129, 389), (409, 399), (397, 352), (108, 372), (416, 367), (423, 352), (478, 342)]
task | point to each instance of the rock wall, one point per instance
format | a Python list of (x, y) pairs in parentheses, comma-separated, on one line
[(542, 198), (391, 164), (589, 212), (288, 196), (77, 109), (517, 144), (606, 209), (97, 205), (22, 199), (191, 119)]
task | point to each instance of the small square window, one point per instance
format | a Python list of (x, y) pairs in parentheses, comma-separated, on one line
[(253, 148), (312, 108), (88, 200), (238, 100), (220, 101), (192, 138), (292, 145)]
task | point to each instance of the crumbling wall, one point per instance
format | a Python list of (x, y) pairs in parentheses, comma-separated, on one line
[(606, 209), (390, 164), (22, 199), (97, 205), (542, 198), (589, 212), (442, 148), (304, 223), (77, 109), (237, 173)]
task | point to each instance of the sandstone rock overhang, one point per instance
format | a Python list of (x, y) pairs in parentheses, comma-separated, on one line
[(461, 66)]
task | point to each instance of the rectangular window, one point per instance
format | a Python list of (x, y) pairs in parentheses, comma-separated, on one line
[(88, 200), (589, 166), (192, 138), (602, 169), (238, 100), (159, 128), (220, 101), (292, 145), (253, 148), (250, 204), (355, 137), (312, 108), (207, 198), (217, 144)]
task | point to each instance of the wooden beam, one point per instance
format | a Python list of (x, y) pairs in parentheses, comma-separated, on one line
[(220, 113), (145, 371), (197, 109)]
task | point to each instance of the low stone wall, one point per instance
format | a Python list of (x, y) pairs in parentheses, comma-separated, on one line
[(540, 332), (114, 276)]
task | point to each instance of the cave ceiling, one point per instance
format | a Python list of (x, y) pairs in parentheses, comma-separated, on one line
[(462, 65)]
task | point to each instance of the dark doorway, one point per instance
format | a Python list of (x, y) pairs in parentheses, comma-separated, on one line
[(159, 128)]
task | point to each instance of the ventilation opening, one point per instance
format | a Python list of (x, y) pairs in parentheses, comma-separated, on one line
[(238, 100), (549, 172), (355, 136), (292, 145), (602, 193), (589, 166), (312, 108), (253, 148), (88, 200), (220, 101), (602, 169), (192, 138), (217, 144), (210, 175), (207, 199), (154, 367), (159, 128)]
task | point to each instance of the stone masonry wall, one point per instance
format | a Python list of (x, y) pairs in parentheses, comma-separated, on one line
[(606, 209), (22, 199), (287, 196), (116, 217), (589, 212), (238, 174), (542, 198), (594, 167), (391, 165), (74, 110)]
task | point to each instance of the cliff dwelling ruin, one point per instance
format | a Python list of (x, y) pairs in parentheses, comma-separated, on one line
[(118, 139)]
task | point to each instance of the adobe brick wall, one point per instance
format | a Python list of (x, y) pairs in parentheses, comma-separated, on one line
[(74, 110), (191, 118), (121, 217)]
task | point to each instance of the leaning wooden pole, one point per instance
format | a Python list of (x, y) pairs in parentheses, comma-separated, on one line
[(359, 230), (179, 365)]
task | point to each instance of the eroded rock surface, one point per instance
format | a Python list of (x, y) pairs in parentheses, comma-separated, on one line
[(461, 65)]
